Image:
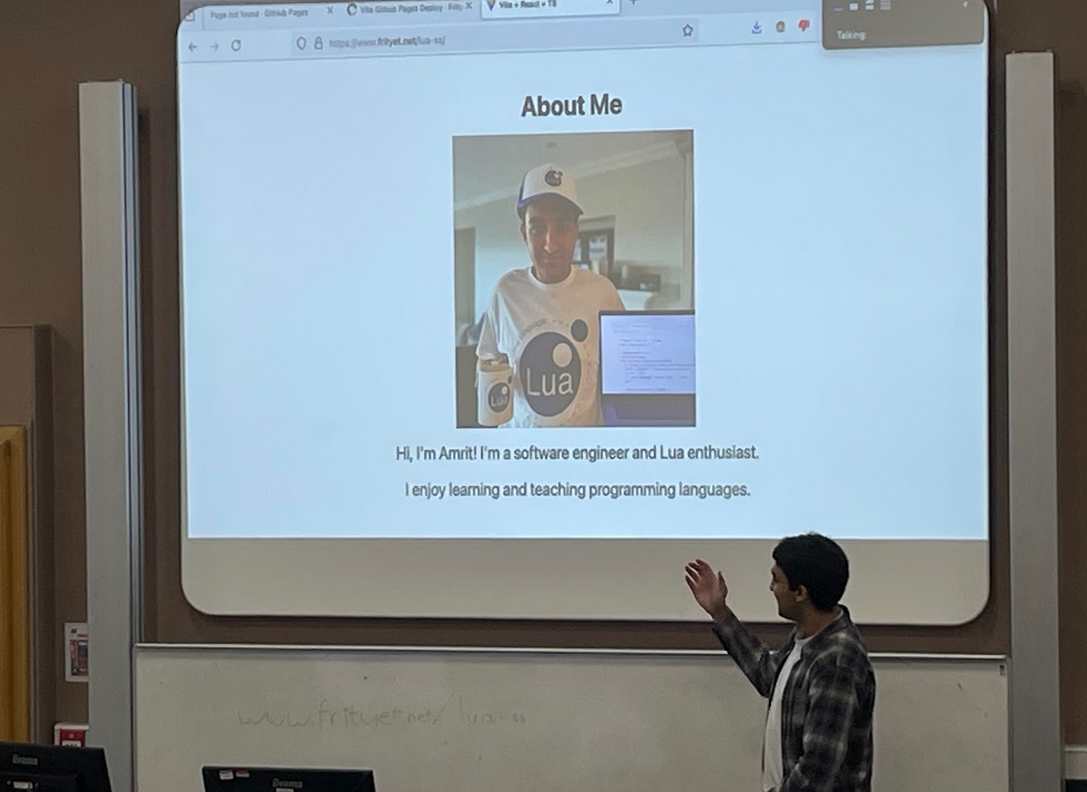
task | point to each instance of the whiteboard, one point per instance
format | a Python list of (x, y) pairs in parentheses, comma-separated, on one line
[(434, 720)]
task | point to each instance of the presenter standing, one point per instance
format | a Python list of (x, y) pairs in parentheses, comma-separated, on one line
[(545, 318), (820, 686)]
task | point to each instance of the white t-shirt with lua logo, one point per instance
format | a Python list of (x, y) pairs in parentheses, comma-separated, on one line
[(550, 333)]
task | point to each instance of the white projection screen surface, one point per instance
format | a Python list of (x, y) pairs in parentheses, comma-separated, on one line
[(509, 309)]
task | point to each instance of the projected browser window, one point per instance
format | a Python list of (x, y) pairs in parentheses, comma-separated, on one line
[(433, 256)]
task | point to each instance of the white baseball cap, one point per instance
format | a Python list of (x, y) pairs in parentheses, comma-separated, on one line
[(547, 179)]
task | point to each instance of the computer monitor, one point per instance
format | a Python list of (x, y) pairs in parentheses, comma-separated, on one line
[(52, 768), (647, 371), (286, 779)]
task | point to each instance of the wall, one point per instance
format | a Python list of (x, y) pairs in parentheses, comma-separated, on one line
[(26, 400), (647, 201), (1071, 404), (46, 49)]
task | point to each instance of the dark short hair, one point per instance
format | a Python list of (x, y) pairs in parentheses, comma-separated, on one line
[(818, 564)]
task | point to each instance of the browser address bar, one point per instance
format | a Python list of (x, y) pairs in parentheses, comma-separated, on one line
[(511, 37)]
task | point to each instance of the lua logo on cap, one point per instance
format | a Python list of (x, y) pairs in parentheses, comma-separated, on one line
[(550, 370), (547, 179)]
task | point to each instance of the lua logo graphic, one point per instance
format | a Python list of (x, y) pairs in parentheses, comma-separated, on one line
[(553, 178), (550, 370), (498, 397)]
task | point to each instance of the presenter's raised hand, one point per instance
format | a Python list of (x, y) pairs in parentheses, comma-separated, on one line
[(709, 588)]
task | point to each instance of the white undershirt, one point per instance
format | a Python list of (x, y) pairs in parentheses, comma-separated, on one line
[(773, 772)]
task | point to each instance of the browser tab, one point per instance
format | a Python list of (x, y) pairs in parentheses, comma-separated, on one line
[(404, 9), (192, 20), (525, 9)]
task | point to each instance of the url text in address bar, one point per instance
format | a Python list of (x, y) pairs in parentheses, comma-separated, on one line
[(513, 37)]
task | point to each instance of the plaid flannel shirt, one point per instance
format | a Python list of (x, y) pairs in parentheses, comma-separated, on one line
[(826, 707)]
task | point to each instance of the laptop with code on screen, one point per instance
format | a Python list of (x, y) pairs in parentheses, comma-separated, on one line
[(647, 368), (286, 779)]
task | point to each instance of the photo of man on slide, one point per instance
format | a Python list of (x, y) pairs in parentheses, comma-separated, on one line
[(573, 279), (543, 319)]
